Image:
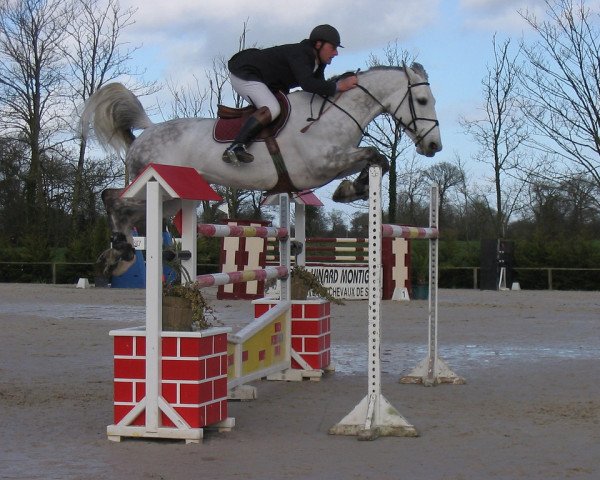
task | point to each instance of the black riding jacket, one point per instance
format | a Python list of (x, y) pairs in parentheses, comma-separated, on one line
[(283, 67)]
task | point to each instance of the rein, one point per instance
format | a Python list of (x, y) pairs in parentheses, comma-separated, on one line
[(410, 126)]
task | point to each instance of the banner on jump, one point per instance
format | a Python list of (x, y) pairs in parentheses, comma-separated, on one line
[(345, 282)]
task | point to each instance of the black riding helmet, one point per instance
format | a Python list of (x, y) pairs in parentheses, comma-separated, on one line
[(326, 33)]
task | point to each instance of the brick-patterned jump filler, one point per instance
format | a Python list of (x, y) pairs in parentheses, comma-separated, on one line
[(193, 380), (168, 384), (310, 336), (173, 384)]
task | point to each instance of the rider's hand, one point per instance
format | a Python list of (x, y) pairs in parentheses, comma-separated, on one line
[(347, 83)]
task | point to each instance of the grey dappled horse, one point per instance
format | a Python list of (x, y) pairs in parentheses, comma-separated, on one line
[(318, 144)]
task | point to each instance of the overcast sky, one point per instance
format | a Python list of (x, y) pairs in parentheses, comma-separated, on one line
[(451, 38)]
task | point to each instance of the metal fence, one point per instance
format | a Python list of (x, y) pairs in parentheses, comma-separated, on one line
[(45, 272), (529, 278), (62, 272)]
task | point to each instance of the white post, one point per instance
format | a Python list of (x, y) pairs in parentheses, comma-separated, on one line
[(189, 237), (284, 246), (433, 285), (300, 234), (374, 288), (433, 370), (502, 280), (374, 415), (154, 208)]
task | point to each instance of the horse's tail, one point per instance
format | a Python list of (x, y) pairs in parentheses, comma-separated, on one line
[(114, 111)]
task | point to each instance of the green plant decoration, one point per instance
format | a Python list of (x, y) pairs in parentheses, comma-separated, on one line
[(312, 283), (202, 312)]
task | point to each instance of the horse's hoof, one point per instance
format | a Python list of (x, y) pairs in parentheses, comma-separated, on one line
[(346, 193), (229, 156), (343, 192), (245, 157), (237, 154)]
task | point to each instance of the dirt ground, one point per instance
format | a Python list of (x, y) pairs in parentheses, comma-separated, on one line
[(530, 408)]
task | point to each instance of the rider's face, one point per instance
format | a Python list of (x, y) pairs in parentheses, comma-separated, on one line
[(327, 52)]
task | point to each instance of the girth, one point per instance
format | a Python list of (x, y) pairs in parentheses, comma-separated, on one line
[(284, 182)]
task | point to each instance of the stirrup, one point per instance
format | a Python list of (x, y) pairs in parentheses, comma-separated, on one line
[(237, 153)]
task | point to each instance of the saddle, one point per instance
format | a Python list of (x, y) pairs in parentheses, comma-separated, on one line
[(230, 120)]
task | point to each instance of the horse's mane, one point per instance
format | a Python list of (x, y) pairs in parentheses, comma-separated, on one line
[(416, 67), (420, 70), (335, 78)]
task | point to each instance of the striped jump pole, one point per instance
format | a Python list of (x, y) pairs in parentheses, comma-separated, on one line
[(337, 249), (217, 279), (281, 233), (210, 230), (337, 258), (374, 415), (336, 240), (285, 285), (403, 231), (242, 248)]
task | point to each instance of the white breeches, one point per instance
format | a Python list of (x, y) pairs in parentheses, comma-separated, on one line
[(256, 93)]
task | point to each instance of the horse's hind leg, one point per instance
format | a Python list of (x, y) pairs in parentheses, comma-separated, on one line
[(358, 189)]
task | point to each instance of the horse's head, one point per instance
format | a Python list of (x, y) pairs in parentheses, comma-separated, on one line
[(415, 111), (117, 259), (123, 214)]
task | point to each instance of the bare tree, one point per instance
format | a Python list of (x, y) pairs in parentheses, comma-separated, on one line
[(462, 200), (501, 132), (445, 176), (195, 100), (218, 79), (12, 154), (384, 133), (581, 198), (31, 86), (562, 84), (339, 229), (187, 101), (411, 197), (359, 224), (96, 55)]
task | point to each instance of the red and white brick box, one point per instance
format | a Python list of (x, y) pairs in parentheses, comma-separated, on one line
[(311, 329), (194, 374)]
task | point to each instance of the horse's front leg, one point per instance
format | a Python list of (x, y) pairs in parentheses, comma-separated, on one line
[(358, 189)]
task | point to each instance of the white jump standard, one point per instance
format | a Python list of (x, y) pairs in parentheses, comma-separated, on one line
[(432, 370), (159, 417), (374, 416), (159, 375)]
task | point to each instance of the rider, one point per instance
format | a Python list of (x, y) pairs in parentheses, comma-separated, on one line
[(256, 73)]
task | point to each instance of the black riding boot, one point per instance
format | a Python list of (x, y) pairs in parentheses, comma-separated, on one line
[(236, 152)]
